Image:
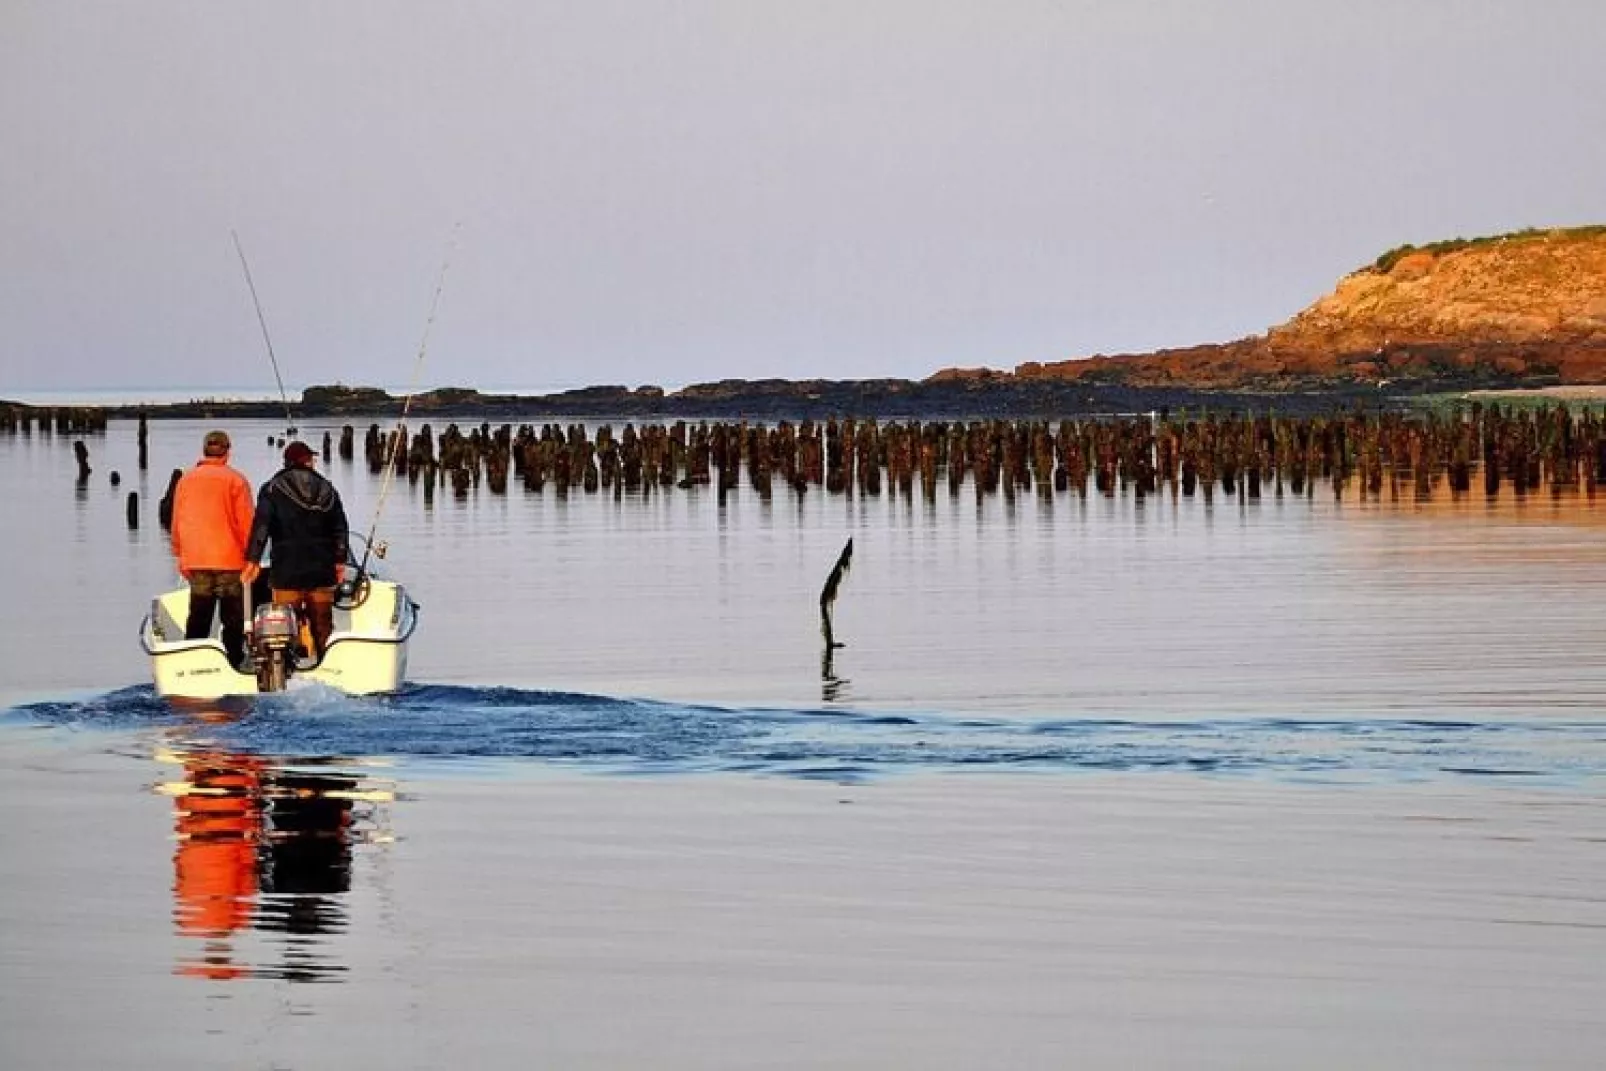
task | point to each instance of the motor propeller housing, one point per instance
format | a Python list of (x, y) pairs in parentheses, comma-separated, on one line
[(275, 629)]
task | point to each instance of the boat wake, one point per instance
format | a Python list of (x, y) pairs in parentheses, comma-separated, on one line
[(445, 726)]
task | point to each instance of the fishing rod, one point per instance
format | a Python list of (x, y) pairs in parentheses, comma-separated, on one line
[(398, 442), (289, 420)]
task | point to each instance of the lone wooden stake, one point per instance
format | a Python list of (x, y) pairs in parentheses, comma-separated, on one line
[(844, 561)]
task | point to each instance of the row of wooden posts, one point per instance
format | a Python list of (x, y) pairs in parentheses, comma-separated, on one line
[(58, 420), (1528, 448), (1531, 449)]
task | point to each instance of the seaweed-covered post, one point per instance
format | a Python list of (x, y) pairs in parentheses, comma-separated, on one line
[(1592, 452), (535, 463), (958, 457), (1061, 440), (898, 456), (1461, 459), (590, 478), (1165, 454), (657, 457), (1489, 439), (868, 454), (834, 457), (628, 463), (1293, 437), (144, 442), (373, 449), (164, 508), (1076, 460), (759, 473), (1425, 459), (132, 510), (1250, 459), (499, 452), (932, 440), (1226, 453), (1372, 458), (673, 461), (81, 452), (605, 451), (1518, 440), (811, 453), (1563, 459)]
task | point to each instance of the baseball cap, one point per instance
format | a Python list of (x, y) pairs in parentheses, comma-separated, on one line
[(298, 453), (216, 444)]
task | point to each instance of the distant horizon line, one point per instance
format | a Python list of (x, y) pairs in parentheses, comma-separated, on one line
[(122, 395)]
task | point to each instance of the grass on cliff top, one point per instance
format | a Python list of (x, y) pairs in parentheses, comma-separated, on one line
[(1386, 261), (1517, 399)]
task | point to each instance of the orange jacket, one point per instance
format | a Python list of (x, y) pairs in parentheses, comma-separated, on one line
[(211, 517)]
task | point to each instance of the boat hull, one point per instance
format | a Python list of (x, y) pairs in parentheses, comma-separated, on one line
[(367, 652)]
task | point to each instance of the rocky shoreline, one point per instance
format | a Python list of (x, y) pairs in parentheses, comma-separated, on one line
[(773, 400)]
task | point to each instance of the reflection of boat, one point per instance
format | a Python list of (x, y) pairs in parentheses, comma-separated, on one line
[(367, 651), (268, 849)]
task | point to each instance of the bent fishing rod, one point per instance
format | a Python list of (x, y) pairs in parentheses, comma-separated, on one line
[(399, 439), (289, 420)]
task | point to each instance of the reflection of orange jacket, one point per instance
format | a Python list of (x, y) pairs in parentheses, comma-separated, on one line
[(211, 517), (215, 864)]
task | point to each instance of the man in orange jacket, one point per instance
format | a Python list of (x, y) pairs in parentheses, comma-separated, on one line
[(211, 523)]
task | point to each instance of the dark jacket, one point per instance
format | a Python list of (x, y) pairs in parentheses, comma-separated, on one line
[(300, 513)]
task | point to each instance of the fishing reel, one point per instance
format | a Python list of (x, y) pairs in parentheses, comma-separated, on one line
[(353, 591)]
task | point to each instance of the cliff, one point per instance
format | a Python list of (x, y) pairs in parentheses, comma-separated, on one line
[(1521, 309)]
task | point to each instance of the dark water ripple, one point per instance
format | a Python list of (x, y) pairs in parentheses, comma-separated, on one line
[(434, 724)]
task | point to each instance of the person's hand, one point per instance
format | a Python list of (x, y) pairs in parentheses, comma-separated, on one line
[(249, 574)]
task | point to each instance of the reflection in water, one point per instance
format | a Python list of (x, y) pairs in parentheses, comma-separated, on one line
[(264, 847), (833, 689)]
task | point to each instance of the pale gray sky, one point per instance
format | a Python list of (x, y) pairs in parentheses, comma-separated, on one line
[(669, 192)]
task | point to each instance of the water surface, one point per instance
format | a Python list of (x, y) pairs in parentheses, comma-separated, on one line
[(1299, 782)]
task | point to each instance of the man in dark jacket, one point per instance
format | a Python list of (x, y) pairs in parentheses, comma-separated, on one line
[(299, 512)]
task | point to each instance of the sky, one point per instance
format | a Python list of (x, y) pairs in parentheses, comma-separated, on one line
[(661, 192)]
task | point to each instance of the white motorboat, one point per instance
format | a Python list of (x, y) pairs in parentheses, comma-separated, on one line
[(366, 654)]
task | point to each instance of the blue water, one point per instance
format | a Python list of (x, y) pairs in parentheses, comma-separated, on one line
[(437, 727)]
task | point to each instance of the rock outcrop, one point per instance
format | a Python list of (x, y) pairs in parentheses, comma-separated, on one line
[(1525, 309), (1519, 309)]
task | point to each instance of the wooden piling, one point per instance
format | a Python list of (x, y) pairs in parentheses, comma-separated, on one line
[(164, 508)]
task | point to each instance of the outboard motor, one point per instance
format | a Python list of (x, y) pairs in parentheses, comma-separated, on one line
[(274, 631)]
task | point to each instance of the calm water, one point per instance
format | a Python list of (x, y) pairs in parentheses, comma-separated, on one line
[(1212, 729), (1023, 621)]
